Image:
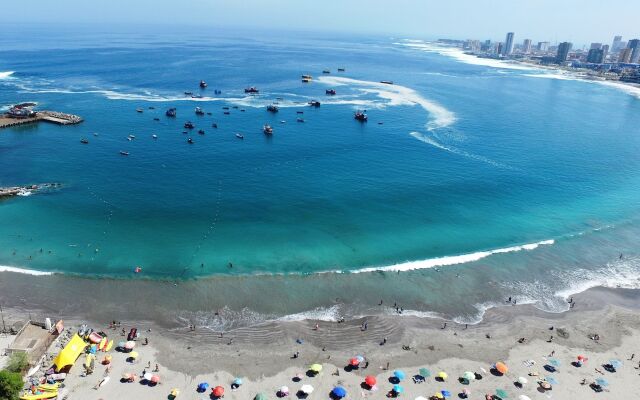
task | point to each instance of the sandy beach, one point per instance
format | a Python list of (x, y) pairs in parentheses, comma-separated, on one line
[(263, 355)]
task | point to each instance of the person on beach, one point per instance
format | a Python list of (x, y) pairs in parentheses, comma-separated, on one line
[(156, 369), (444, 325), (316, 327)]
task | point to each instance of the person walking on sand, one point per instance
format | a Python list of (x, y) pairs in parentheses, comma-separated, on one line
[(315, 328), (632, 356)]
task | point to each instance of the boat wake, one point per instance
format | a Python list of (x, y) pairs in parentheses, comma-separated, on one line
[(453, 260), (6, 74), (396, 95)]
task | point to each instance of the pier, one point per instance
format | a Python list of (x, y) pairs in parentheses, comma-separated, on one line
[(54, 117)]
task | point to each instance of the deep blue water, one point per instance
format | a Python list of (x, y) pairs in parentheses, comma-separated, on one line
[(469, 158)]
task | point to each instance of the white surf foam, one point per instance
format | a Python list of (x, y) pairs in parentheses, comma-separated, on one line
[(331, 314), (396, 95), (6, 74), (4, 268), (453, 260)]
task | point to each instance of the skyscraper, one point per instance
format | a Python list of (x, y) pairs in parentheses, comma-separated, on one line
[(543, 46), (617, 43), (507, 49), (526, 46), (634, 45), (563, 52), (624, 56), (595, 56), (605, 52), (596, 46)]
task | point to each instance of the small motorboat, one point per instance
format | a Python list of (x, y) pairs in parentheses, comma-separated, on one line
[(235, 107), (203, 84), (84, 141), (196, 96), (124, 153), (156, 119), (152, 108), (251, 90), (242, 110), (200, 131), (341, 69), (199, 111), (299, 119), (330, 92), (227, 113), (139, 110), (299, 112), (267, 129), (188, 93), (208, 113), (308, 77), (387, 82), (189, 125), (283, 122), (171, 112), (360, 116), (95, 133), (154, 136), (305, 80), (131, 137), (326, 71), (314, 103), (214, 125), (184, 132), (239, 136), (190, 141), (225, 108), (272, 108)]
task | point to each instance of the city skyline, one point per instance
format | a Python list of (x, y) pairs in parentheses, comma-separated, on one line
[(579, 22)]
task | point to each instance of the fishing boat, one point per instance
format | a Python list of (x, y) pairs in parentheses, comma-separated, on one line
[(360, 116), (341, 69), (227, 113), (203, 84), (124, 153), (200, 131), (190, 141), (267, 129), (239, 136), (189, 125), (139, 110), (199, 111), (252, 90), (84, 141), (314, 103), (326, 71), (272, 108), (171, 112), (309, 77), (330, 92), (387, 82)]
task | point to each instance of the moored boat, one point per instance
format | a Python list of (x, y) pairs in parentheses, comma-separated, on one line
[(171, 112), (252, 90), (314, 103), (330, 92), (360, 116), (84, 141), (239, 135), (267, 129), (189, 125), (272, 108), (387, 82), (203, 84), (199, 111)]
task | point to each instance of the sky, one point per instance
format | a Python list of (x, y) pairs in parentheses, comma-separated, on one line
[(578, 21)]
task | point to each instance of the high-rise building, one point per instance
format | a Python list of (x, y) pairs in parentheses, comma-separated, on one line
[(543, 46), (634, 45), (605, 52), (625, 56), (507, 49), (563, 52), (595, 56), (526, 46), (595, 46), (616, 45), (500, 48)]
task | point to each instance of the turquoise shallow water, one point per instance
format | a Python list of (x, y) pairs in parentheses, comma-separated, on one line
[(469, 159)]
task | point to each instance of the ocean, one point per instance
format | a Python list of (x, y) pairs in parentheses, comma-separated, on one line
[(472, 181)]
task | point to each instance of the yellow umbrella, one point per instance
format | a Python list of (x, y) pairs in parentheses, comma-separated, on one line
[(438, 395), (443, 375), (175, 392), (315, 367), (134, 354)]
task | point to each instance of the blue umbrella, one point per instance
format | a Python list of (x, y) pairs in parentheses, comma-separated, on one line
[(555, 362), (203, 386), (551, 380), (616, 363), (602, 382), (237, 381), (399, 374), (446, 393), (398, 389), (339, 391)]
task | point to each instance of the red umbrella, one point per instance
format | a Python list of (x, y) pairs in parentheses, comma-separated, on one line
[(370, 380), (354, 362), (155, 379), (218, 391)]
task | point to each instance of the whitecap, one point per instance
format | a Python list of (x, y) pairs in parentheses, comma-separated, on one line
[(6, 74), (4, 268)]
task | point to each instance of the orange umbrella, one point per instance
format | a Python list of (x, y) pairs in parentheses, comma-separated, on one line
[(218, 391), (501, 367), (370, 380), (354, 362)]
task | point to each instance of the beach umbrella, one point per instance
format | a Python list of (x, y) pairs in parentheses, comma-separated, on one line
[(443, 375), (174, 392), (616, 363), (555, 362), (354, 362), (155, 379), (339, 391), (134, 354), (470, 376), (446, 393), (524, 397), (398, 389), (147, 376), (551, 380), (399, 374), (260, 396), (602, 382), (237, 381), (502, 393), (308, 389), (130, 345), (501, 367), (439, 395), (360, 359), (315, 368), (522, 380), (370, 380), (218, 391), (424, 372), (284, 390), (203, 386)]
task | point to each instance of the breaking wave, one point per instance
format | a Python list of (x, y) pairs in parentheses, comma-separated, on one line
[(4, 268), (6, 74)]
